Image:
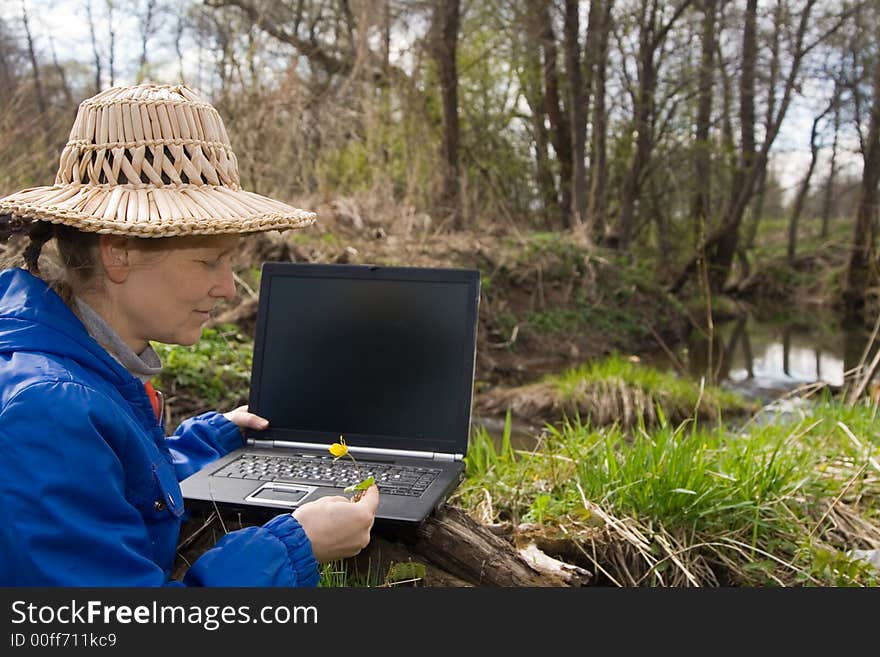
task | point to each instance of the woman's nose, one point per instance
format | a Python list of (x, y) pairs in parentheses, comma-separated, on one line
[(225, 286)]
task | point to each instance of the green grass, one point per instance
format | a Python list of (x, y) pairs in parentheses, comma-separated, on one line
[(568, 319), (762, 507), (581, 315), (674, 394), (341, 574), (215, 371), (771, 240)]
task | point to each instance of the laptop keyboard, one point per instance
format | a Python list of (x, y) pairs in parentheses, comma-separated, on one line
[(328, 471)]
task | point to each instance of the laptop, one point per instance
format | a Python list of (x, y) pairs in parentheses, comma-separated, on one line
[(381, 357)]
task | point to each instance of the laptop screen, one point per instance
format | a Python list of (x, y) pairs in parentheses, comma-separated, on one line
[(383, 356)]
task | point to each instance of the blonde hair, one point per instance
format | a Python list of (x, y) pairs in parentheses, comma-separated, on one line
[(72, 254)]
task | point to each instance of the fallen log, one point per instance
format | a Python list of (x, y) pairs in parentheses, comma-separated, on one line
[(453, 542), (449, 549), (571, 574)]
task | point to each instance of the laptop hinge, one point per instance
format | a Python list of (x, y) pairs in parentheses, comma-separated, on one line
[(445, 456), (375, 451), (407, 453)]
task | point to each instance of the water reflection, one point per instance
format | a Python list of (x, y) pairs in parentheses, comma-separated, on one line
[(761, 359), (765, 358)]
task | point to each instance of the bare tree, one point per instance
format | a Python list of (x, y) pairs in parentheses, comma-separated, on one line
[(146, 24), (445, 26), (578, 114), (531, 80), (722, 243), (96, 55), (804, 188), (8, 77), (180, 26), (35, 67), (111, 34), (757, 207), (652, 34), (560, 132), (701, 205), (747, 90), (598, 47), (828, 196), (62, 76), (863, 252)]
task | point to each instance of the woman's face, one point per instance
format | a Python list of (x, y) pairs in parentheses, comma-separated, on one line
[(167, 294)]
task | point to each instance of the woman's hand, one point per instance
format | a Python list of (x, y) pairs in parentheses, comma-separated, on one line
[(245, 420), (337, 526)]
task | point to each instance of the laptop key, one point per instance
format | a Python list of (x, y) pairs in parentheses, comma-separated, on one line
[(392, 479)]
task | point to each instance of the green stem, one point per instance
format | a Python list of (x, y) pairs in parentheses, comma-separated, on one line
[(357, 470)]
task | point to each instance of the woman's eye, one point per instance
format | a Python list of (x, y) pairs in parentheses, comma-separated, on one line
[(213, 261)]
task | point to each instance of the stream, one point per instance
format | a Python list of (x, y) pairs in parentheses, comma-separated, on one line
[(761, 359), (764, 359)]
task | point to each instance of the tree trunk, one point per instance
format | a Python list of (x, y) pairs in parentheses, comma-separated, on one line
[(651, 37), (6, 76), (701, 207), (642, 113), (96, 56), (773, 79), (803, 190), (721, 244), (863, 252), (62, 76), (179, 28), (599, 157), (828, 198), (544, 171), (532, 84), (578, 114), (112, 43), (35, 68), (146, 32), (728, 146), (719, 265), (560, 132), (447, 14)]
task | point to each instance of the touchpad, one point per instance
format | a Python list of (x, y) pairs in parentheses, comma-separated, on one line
[(289, 495)]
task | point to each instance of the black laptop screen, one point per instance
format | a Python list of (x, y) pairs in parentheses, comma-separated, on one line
[(367, 356)]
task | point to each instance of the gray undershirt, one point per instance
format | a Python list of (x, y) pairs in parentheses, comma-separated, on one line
[(144, 365)]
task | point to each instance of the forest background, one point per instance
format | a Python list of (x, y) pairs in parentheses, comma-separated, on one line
[(621, 171), (646, 125)]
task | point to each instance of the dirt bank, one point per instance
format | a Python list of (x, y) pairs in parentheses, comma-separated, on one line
[(547, 303)]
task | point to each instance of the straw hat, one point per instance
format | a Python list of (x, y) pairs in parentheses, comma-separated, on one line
[(151, 161)]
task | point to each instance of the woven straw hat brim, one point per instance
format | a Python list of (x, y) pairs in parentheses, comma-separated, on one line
[(151, 161), (144, 211)]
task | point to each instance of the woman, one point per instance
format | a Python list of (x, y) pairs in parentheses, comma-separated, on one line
[(145, 214)]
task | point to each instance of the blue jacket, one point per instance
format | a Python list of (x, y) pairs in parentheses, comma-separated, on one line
[(89, 481)]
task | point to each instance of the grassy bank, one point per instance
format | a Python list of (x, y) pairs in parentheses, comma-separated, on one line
[(774, 504), (614, 390)]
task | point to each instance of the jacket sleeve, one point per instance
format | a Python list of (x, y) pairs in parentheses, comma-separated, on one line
[(201, 440), (71, 517), (277, 554), (285, 551)]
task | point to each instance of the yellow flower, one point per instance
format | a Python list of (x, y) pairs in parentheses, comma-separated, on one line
[(339, 449)]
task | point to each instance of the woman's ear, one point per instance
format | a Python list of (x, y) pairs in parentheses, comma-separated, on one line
[(115, 255)]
